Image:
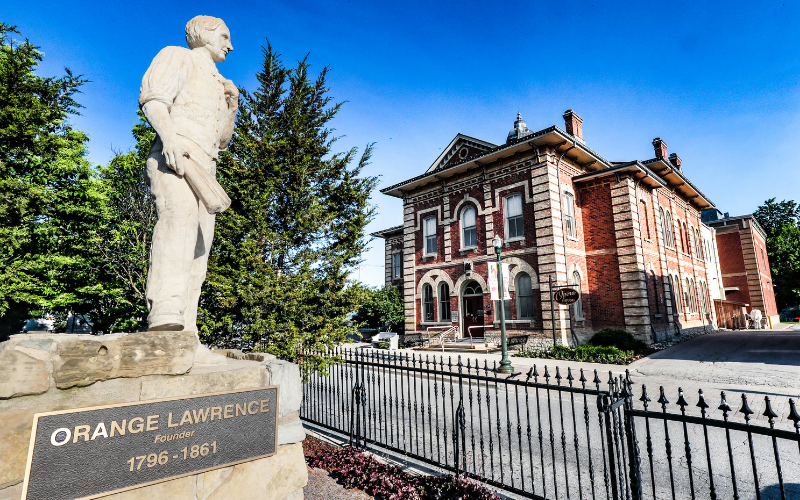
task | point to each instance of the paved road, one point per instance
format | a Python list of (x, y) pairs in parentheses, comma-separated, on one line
[(743, 358)]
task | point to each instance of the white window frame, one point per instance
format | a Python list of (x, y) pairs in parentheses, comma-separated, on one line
[(395, 257), (579, 304), (464, 228), (507, 230), (569, 213), (427, 236)]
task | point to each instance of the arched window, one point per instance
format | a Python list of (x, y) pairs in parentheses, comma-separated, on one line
[(674, 286), (576, 283), (687, 294), (430, 236), (666, 228), (654, 282), (696, 240), (643, 217), (469, 233), (427, 303), (569, 215), (444, 302), (680, 234), (524, 296)]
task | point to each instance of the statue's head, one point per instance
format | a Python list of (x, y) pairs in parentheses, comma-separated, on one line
[(211, 34)]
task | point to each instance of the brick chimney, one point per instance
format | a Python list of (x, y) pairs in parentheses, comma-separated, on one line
[(660, 147), (675, 160), (574, 124)]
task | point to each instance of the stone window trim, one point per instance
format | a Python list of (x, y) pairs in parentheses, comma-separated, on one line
[(513, 240), (515, 321), (434, 323)]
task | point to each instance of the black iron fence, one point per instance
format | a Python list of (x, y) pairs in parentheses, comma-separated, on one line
[(553, 434)]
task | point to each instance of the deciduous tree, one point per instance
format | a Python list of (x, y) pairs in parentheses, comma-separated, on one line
[(48, 198), (780, 222)]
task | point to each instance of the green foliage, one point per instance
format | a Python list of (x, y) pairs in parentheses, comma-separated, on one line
[(278, 271), (780, 222), (49, 202), (123, 242), (382, 307), (620, 339), (584, 352)]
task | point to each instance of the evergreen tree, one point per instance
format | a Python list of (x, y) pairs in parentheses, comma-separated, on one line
[(780, 222), (278, 271), (48, 200)]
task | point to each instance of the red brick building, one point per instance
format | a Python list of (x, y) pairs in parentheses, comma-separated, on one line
[(627, 234), (746, 275)]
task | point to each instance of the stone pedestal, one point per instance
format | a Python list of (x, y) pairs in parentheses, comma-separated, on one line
[(48, 372)]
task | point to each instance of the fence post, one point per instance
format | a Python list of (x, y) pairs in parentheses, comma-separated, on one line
[(630, 437), (460, 446), (605, 410), (358, 395)]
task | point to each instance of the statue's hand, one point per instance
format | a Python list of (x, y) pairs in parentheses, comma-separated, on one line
[(174, 151), (231, 92)]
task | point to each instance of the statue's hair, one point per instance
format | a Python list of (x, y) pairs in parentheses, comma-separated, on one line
[(199, 29)]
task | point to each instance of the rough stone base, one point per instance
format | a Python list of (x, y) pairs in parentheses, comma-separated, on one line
[(77, 371)]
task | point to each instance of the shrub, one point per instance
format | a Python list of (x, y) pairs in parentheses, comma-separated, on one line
[(584, 352), (620, 339), (357, 469)]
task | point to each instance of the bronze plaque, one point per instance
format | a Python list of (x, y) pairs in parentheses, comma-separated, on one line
[(91, 452)]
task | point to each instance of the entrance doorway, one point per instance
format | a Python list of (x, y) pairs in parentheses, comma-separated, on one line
[(472, 302)]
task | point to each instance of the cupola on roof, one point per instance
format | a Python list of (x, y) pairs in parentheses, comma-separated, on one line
[(520, 130)]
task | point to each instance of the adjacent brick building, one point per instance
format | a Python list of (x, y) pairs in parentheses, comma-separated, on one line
[(627, 234), (746, 275)]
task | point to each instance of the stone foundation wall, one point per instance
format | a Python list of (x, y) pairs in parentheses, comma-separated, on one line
[(48, 372)]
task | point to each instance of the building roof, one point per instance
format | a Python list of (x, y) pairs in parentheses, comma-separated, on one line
[(392, 231), (522, 139), (454, 146), (552, 136), (677, 181), (635, 168), (727, 221)]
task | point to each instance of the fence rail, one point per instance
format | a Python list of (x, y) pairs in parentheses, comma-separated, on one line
[(551, 434)]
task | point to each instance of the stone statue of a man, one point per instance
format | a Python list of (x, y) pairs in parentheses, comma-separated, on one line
[(192, 109)]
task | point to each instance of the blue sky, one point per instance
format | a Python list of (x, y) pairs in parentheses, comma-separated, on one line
[(720, 83)]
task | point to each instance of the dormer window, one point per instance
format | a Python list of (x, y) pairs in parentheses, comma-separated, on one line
[(469, 231)]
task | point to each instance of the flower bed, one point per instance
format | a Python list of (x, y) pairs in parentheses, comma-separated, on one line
[(356, 469), (584, 352)]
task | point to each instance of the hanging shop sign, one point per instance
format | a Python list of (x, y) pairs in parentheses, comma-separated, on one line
[(566, 295)]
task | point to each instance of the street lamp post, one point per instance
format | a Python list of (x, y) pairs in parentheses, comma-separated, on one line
[(505, 363)]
